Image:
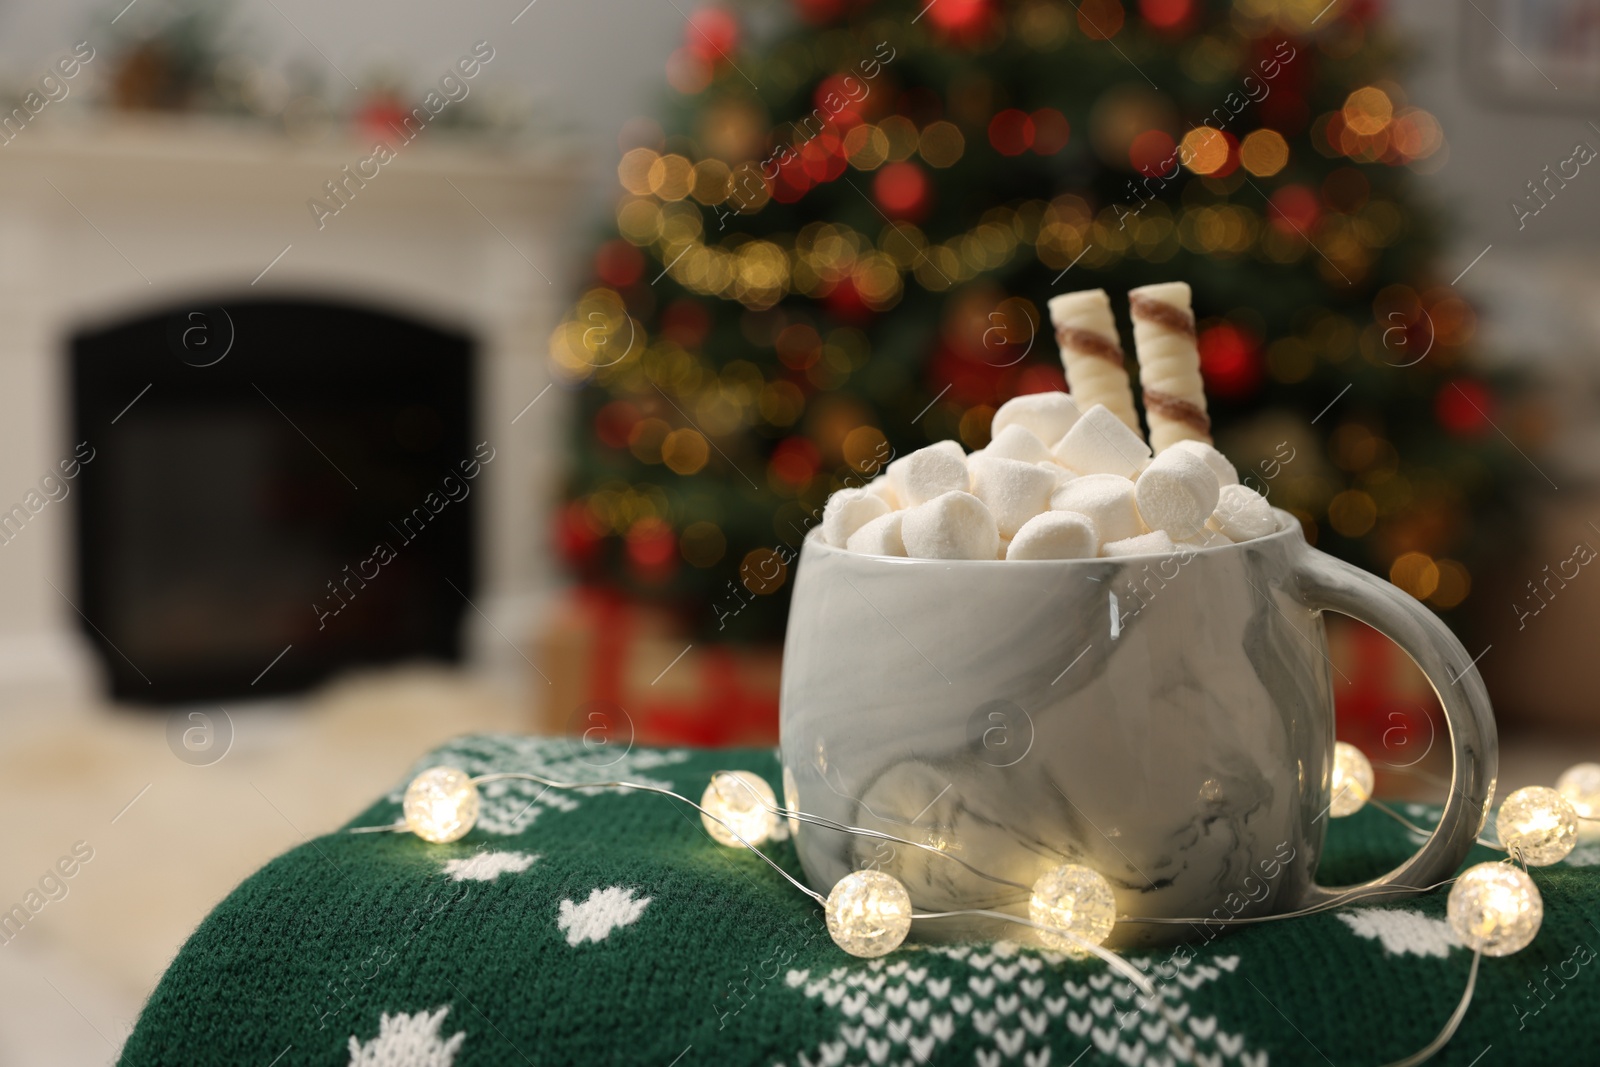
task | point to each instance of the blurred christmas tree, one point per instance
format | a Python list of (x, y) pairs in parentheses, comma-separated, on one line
[(841, 240)]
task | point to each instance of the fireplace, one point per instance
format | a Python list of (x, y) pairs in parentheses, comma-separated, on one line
[(271, 491), (215, 509)]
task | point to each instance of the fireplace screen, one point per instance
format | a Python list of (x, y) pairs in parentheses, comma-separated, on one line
[(276, 491)]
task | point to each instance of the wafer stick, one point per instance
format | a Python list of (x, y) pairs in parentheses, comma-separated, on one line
[(1169, 364), (1092, 354)]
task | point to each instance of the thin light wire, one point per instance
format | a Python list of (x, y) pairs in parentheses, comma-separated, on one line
[(551, 783), (1327, 905), (1451, 1025), (1414, 828), (1111, 959)]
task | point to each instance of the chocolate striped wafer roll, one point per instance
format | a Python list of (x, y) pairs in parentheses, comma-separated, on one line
[(1092, 354), (1169, 364)]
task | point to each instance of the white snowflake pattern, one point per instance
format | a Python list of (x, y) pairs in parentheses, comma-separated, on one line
[(1403, 931), (408, 1041), (895, 1013), (487, 866), (510, 807), (603, 912), (1587, 854)]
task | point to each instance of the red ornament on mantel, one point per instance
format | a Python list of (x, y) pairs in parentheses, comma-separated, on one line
[(380, 114), (711, 35)]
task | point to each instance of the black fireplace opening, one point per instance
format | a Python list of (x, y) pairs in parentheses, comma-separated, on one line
[(274, 491)]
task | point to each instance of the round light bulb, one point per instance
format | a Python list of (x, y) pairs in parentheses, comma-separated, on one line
[(1539, 824), (1352, 780), (744, 802), (1495, 907), (441, 804), (869, 913), (1076, 899), (1581, 786)]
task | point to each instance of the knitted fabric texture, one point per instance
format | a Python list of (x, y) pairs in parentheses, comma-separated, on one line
[(605, 926)]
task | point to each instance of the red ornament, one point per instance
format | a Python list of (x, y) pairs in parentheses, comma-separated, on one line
[(576, 538), (618, 264), (902, 191), (711, 35), (795, 462), (1153, 152), (844, 303), (1465, 407), (379, 116), (823, 158), (652, 549), (834, 97), (1011, 132), (1230, 361), (963, 20), (1294, 210), (1171, 16)]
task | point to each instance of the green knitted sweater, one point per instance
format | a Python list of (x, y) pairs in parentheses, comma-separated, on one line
[(606, 927)]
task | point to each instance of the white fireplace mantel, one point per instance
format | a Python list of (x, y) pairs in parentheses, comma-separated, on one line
[(104, 221)]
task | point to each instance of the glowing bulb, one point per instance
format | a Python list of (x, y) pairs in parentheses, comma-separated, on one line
[(744, 803), (1352, 780), (1538, 824), (1495, 907), (441, 804), (1581, 786), (869, 913), (1076, 899)]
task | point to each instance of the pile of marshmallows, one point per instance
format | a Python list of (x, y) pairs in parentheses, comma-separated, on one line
[(1071, 479)]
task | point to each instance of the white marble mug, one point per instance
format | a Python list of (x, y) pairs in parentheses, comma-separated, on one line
[(1166, 720)]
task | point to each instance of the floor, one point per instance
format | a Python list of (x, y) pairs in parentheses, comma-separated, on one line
[(170, 838)]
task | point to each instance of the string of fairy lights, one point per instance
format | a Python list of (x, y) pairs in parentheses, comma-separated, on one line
[(1494, 908)]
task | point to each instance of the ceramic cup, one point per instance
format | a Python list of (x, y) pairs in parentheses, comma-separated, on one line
[(1166, 720)]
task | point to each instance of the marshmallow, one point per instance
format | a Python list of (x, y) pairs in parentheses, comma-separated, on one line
[(1048, 415), (1106, 499), (880, 537), (846, 512), (1091, 353), (880, 488), (1153, 543), (1056, 535), (1169, 364), (1017, 442), (1012, 490), (929, 472), (1242, 514), (955, 525), (1177, 493), (1218, 463), (1099, 443)]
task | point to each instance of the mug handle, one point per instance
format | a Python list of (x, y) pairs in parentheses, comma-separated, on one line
[(1329, 584)]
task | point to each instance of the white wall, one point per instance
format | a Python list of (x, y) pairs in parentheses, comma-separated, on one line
[(590, 64)]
